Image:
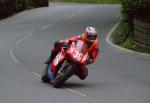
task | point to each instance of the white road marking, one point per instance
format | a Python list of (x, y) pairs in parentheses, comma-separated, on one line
[(47, 26), (69, 17), (19, 41), (36, 74), (72, 16), (13, 57), (76, 92), (69, 89), (116, 46), (44, 27)]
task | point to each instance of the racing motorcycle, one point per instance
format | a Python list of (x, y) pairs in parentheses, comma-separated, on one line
[(65, 64)]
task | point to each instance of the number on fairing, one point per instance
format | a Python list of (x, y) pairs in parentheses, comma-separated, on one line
[(84, 58), (77, 55), (57, 59)]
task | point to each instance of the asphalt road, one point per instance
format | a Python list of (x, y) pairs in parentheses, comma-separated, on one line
[(25, 42)]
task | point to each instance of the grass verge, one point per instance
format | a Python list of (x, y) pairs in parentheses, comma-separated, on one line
[(89, 1), (129, 43)]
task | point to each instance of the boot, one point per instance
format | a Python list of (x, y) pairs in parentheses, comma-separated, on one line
[(48, 61), (51, 57)]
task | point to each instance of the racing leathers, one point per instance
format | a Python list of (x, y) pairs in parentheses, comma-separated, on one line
[(93, 51)]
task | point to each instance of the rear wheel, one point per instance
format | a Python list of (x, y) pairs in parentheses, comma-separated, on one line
[(61, 77)]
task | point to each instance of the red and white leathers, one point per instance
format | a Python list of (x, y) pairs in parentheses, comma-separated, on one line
[(93, 52)]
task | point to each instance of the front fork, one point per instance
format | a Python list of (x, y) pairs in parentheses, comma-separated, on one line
[(62, 67), (60, 71)]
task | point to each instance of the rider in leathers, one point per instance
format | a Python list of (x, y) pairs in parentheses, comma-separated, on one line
[(91, 38)]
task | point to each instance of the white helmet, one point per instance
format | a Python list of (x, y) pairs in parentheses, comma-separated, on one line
[(91, 33)]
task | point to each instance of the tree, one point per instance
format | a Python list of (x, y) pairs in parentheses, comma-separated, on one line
[(135, 9)]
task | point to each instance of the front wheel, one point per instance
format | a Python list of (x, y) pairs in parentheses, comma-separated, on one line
[(61, 77), (44, 76)]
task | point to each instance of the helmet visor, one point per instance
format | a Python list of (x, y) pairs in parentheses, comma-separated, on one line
[(91, 37)]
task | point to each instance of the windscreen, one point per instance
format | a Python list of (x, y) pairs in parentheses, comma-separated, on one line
[(81, 46)]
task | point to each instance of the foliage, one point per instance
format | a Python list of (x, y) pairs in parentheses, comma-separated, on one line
[(118, 36), (138, 9), (128, 43), (88, 1), (134, 5), (9, 7)]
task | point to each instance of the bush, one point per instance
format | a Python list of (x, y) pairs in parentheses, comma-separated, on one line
[(40, 3), (119, 34), (9, 7), (128, 43), (135, 5), (131, 9), (136, 8), (89, 1)]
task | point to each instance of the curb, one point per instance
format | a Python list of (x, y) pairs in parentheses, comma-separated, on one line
[(109, 41)]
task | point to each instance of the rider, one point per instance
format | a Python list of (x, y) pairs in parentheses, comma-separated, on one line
[(91, 38)]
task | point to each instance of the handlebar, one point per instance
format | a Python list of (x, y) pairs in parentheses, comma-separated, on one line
[(65, 46)]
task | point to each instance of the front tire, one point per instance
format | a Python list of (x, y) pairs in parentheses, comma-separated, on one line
[(44, 76), (67, 72)]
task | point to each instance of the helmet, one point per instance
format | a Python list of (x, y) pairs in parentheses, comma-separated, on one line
[(91, 34)]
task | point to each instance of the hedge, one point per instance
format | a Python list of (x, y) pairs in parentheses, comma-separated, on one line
[(131, 9), (9, 7), (135, 5)]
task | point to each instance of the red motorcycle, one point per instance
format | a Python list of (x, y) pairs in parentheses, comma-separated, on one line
[(66, 63)]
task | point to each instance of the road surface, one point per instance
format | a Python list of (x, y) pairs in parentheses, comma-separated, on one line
[(25, 43)]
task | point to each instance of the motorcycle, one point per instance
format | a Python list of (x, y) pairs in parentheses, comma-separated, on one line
[(65, 64)]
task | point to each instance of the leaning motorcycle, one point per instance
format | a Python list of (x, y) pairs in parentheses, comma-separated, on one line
[(65, 64)]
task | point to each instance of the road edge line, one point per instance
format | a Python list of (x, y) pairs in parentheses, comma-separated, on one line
[(76, 92), (36, 74), (24, 38), (13, 57)]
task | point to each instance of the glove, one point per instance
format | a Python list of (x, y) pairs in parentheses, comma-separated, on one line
[(56, 44), (88, 62), (66, 46)]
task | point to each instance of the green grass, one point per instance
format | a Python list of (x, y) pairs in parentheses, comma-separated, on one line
[(89, 1), (128, 43), (118, 35)]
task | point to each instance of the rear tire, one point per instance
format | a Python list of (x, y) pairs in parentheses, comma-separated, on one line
[(62, 77)]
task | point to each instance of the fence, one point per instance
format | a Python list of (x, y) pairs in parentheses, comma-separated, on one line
[(142, 32), (142, 35)]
